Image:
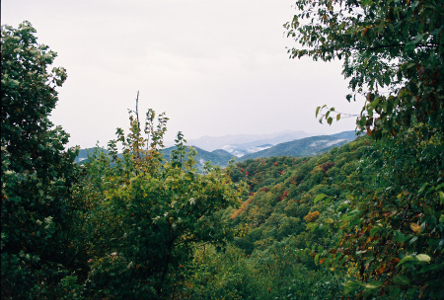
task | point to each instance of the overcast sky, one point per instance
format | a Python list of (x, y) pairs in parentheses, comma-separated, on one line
[(215, 67)]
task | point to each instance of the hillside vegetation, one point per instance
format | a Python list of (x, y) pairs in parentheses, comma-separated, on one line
[(282, 228)]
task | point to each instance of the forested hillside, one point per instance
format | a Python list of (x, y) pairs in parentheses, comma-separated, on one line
[(282, 228)]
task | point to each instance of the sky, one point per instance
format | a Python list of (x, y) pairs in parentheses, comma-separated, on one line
[(214, 67)]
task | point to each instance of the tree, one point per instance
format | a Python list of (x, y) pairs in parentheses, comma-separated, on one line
[(393, 230), (394, 46), (393, 55), (39, 207), (156, 213)]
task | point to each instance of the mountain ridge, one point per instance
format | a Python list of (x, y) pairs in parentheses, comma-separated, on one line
[(308, 146), (210, 143)]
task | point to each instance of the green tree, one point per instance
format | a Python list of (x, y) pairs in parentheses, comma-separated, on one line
[(222, 275), (393, 55), (39, 207), (386, 45), (393, 230), (156, 212)]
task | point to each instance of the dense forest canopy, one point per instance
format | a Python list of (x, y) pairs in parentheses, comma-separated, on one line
[(362, 221)]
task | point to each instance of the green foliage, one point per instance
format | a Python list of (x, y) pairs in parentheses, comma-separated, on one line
[(270, 274), (392, 233), (386, 45), (218, 157), (281, 257), (392, 229), (221, 275), (155, 210), (283, 192), (120, 226), (40, 207)]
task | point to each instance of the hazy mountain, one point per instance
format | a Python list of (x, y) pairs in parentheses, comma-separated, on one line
[(210, 143), (349, 135), (305, 147), (241, 150), (308, 146)]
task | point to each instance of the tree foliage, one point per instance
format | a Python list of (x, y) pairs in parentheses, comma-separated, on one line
[(157, 211), (39, 206), (393, 56), (394, 47), (393, 230), (286, 227), (120, 226)]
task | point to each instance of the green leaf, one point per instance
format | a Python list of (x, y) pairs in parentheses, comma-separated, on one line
[(349, 197), (373, 285), (410, 65), (374, 103), (351, 286), (400, 237), (394, 292), (421, 190), (374, 230), (431, 267), (418, 38), (401, 279), (405, 259), (423, 258), (328, 220), (319, 197), (441, 186)]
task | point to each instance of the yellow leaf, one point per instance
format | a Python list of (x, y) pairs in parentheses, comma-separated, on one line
[(415, 227)]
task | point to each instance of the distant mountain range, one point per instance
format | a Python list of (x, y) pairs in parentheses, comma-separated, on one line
[(307, 146), (241, 150), (245, 141)]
